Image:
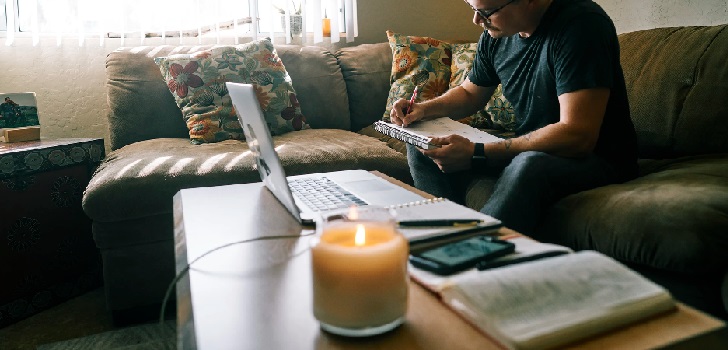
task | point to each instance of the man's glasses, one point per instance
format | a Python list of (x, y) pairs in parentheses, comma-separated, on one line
[(486, 14)]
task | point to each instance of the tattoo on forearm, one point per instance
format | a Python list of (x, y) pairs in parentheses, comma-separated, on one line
[(527, 137), (507, 143)]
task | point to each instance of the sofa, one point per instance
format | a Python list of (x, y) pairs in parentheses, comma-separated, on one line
[(671, 223)]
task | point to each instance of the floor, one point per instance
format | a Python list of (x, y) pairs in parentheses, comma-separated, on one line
[(78, 317)]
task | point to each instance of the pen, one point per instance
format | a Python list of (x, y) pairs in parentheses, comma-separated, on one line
[(434, 223), (412, 100)]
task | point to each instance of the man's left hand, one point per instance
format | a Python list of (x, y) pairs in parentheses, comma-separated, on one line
[(455, 153)]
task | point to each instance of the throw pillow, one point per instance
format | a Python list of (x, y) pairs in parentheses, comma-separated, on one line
[(197, 82), (430, 63), (498, 112), (417, 61)]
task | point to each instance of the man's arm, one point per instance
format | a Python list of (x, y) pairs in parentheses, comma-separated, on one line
[(574, 135), (458, 102)]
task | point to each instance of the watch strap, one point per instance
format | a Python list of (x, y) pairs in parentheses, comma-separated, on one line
[(479, 157), (479, 151)]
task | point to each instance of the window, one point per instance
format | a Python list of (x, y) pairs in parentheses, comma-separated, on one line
[(3, 20), (88, 19)]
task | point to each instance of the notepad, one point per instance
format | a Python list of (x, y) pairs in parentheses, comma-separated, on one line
[(420, 133), (440, 209)]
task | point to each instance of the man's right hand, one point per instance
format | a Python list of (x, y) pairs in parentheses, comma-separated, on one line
[(397, 114)]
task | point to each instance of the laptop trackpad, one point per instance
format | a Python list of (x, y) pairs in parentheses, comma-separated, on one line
[(378, 192), (364, 186)]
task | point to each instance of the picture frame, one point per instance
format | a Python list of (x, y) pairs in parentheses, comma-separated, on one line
[(18, 110)]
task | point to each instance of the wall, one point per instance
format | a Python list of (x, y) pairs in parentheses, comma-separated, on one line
[(69, 80), (632, 15)]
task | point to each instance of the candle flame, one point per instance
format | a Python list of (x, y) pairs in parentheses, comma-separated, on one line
[(360, 237)]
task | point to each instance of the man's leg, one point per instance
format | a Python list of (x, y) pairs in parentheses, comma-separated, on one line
[(533, 181), (428, 177)]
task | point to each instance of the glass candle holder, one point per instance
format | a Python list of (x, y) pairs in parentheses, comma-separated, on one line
[(360, 281)]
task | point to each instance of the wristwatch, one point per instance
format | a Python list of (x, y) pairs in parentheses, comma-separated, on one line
[(479, 158)]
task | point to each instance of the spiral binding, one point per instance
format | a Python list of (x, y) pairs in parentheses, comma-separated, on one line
[(415, 203), (402, 134)]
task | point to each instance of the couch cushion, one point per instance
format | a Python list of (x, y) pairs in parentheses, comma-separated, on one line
[(137, 95), (674, 217), (677, 81), (197, 82), (319, 85), (139, 180), (366, 69)]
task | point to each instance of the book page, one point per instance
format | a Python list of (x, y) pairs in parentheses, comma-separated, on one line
[(552, 301)]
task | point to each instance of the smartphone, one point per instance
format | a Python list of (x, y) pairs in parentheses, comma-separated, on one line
[(460, 255)]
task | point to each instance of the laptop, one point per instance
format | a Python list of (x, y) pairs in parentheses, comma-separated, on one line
[(358, 187)]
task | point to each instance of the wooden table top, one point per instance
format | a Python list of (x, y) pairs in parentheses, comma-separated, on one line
[(258, 295)]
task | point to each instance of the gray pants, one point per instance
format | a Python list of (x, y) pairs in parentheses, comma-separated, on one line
[(526, 187)]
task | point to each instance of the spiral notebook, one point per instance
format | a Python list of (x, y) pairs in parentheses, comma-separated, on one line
[(441, 209), (420, 133)]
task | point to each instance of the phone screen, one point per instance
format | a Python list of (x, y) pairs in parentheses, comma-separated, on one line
[(463, 251)]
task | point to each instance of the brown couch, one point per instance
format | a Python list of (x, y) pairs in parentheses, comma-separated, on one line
[(671, 223)]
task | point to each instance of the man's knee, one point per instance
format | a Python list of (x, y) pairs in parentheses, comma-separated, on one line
[(530, 162), (415, 158)]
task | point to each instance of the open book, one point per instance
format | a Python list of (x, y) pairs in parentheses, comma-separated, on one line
[(550, 302), (441, 209), (420, 133)]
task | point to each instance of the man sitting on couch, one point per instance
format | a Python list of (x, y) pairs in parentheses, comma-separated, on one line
[(558, 62)]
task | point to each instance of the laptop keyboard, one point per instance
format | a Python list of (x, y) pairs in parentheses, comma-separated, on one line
[(321, 194)]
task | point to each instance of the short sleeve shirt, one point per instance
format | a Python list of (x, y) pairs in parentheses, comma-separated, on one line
[(575, 47)]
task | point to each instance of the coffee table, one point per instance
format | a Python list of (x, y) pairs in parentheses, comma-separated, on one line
[(258, 295)]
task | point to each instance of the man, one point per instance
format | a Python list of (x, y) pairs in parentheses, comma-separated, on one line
[(558, 63)]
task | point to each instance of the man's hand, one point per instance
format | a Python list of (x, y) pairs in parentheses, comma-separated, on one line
[(397, 114), (455, 153)]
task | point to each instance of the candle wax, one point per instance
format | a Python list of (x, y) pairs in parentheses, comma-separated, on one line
[(357, 286)]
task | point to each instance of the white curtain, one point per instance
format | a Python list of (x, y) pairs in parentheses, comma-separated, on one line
[(203, 21)]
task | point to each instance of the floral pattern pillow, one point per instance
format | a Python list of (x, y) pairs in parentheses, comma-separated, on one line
[(197, 82), (417, 61), (498, 112)]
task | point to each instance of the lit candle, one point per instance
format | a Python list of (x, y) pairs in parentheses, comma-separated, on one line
[(326, 23), (360, 276)]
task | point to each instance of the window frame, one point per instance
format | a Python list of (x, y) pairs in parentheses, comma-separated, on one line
[(262, 27)]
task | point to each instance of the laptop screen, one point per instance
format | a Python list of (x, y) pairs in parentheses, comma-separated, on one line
[(259, 139)]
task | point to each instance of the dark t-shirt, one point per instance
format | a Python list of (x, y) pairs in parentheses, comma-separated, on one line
[(574, 47)]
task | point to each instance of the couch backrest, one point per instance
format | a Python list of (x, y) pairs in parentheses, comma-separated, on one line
[(142, 108), (366, 69), (677, 82)]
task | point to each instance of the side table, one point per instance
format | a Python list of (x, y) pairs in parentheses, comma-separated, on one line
[(47, 252)]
